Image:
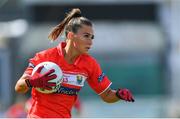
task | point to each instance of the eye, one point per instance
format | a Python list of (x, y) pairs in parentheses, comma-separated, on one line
[(86, 36), (89, 36)]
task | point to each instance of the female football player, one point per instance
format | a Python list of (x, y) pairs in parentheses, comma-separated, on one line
[(77, 65)]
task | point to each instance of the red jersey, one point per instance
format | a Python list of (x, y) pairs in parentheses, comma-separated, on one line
[(59, 104)]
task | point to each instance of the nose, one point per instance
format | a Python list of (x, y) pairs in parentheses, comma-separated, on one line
[(90, 42)]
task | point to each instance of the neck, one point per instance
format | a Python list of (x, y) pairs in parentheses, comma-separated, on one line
[(70, 53)]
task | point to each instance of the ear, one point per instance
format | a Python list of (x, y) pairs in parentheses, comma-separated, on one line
[(70, 35)]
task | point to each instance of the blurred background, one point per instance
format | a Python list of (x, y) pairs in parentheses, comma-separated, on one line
[(137, 43)]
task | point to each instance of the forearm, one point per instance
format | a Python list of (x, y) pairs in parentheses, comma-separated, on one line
[(109, 96), (21, 86)]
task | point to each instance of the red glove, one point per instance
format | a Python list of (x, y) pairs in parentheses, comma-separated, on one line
[(124, 94), (41, 80)]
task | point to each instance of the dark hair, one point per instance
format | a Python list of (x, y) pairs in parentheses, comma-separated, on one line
[(71, 23)]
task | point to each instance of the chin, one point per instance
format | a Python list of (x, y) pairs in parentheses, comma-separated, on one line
[(86, 52)]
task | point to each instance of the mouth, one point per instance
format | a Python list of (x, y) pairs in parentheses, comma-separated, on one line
[(87, 48)]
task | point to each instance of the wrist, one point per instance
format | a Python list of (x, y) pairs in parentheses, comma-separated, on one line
[(117, 94), (28, 83)]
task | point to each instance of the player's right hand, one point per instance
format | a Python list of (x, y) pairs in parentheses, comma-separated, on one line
[(41, 80)]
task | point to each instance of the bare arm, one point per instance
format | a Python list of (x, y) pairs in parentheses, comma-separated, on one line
[(109, 96), (21, 86)]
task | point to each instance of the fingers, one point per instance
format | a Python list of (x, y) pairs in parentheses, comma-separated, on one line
[(49, 86), (126, 95), (132, 100), (51, 77), (130, 97), (49, 72), (39, 69)]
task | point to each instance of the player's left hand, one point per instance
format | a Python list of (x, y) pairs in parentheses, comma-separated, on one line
[(125, 94)]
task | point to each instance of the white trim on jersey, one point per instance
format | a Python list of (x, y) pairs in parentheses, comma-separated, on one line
[(70, 72), (105, 89)]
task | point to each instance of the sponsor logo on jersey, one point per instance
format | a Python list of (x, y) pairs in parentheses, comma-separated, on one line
[(101, 77), (74, 79), (67, 91)]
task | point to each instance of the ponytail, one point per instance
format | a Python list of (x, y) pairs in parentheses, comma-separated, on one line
[(58, 30)]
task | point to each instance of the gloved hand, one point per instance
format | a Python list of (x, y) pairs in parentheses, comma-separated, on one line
[(124, 94), (41, 80)]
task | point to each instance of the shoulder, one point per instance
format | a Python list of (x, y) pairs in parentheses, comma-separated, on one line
[(48, 52), (88, 57), (44, 55), (89, 60)]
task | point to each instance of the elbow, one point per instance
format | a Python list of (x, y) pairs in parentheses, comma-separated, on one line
[(17, 89), (21, 86), (21, 89)]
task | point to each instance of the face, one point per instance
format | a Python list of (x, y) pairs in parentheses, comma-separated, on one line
[(83, 39)]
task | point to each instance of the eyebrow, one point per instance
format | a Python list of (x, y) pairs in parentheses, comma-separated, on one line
[(89, 34)]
